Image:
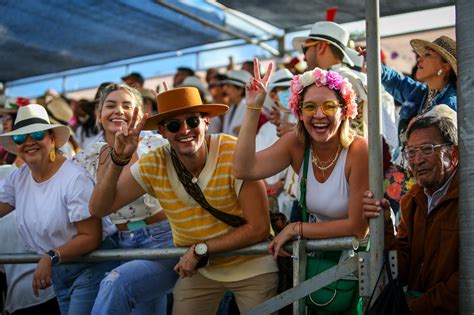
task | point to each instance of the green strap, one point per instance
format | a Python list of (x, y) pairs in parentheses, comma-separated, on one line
[(302, 203)]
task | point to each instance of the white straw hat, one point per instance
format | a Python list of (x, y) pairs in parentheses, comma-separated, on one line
[(237, 77), (329, 32), (32, 118)]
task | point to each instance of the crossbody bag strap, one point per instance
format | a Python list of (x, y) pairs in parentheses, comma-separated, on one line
[(193, 189), (303, 180)]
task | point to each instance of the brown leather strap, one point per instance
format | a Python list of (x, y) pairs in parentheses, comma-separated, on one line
[(193, 189)]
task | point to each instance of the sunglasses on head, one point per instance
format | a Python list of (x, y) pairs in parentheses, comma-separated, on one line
[(329, 108), (37, 136), (174, 125)]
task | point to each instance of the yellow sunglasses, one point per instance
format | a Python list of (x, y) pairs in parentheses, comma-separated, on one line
[(329, 108)]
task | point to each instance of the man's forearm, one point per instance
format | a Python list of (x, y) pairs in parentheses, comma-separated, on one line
[(240, 237)]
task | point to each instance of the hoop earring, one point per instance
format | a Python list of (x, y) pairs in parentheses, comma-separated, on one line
[(52, 154), (440, 72)]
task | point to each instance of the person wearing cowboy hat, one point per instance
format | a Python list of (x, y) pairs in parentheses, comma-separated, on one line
[(209, 210), (435, 81), (234, 88), (50, 196), (325, 48)]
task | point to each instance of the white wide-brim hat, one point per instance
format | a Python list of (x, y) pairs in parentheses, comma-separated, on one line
[(32, 118), (237, 77), (281, 77), (329, 32)]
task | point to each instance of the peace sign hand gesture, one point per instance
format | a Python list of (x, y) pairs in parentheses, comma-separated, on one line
[(126, 139), (256, 88)]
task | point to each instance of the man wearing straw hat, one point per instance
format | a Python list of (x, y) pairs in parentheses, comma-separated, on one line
[(209, 210)]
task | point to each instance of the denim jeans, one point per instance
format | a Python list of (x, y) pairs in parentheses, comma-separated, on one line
[(139, 286), (76, 285)]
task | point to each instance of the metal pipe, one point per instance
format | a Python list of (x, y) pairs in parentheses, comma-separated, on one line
[(123, 254), (375, 135), (222, 29), (465, 55), (243, 17)]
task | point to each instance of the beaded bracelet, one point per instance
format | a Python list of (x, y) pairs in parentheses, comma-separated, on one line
[(254, 108), (117, 160)]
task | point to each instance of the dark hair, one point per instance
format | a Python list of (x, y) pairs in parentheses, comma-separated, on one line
[(188, 71), (336, 51), (446, 126)]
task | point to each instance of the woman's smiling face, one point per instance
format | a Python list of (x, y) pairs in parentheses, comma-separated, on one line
[(117, 110), (320, 126)]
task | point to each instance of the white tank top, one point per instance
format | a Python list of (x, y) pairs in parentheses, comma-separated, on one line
[(328, 200)]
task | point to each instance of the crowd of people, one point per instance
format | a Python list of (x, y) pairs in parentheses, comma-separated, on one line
[(204, 165)]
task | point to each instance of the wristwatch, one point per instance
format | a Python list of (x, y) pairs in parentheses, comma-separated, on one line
[(200, 250), (55, 259)]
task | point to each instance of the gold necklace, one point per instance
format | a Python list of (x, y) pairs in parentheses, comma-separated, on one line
[(323, 166)]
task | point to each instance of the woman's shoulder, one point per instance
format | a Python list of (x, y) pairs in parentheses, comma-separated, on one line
[(71, 170), (358, 148)]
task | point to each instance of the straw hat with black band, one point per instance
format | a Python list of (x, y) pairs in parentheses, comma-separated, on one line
[(443, 45), (179, 101), (32, 118), (329, 32), (237, 77)]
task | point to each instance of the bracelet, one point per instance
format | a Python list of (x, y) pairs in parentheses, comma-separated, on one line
[(58, 253), (117, 160), (298, 227), (254, 108)]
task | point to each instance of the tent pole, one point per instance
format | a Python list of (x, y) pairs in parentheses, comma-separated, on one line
[(375, 136), (465, 55), (222, 29)]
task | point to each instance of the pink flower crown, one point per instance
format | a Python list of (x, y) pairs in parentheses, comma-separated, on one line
[(320, 77)]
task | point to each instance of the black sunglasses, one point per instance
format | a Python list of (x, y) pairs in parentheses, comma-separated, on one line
[(174, 125)]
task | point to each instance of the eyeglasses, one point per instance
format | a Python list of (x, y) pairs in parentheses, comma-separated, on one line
[(37, 136), (329, 108), (174, 125), (426, 150), (306, 46)]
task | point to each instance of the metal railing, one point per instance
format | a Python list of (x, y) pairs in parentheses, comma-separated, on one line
[(299, 249)]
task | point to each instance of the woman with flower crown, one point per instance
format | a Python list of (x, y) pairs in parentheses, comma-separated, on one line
[(337, 174)]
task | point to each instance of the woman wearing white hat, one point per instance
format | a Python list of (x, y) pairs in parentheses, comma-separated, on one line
[(143, 284), (436, 74), (51, 196)]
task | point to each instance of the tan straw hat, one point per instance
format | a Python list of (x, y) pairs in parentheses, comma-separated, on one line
[(32, 118), (179, 101), (443, 45)]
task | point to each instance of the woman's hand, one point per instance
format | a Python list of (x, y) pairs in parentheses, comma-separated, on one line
[(186, 266), (276, 246), (256, 88), (42, 275), (126, 139)]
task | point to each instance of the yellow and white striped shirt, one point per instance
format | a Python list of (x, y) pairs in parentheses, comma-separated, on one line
[(191, 223)]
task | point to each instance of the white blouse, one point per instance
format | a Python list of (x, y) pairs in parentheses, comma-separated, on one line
[(143, 207)]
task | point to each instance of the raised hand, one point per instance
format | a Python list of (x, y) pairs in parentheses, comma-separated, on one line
[(126, 139), (256, 89)]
